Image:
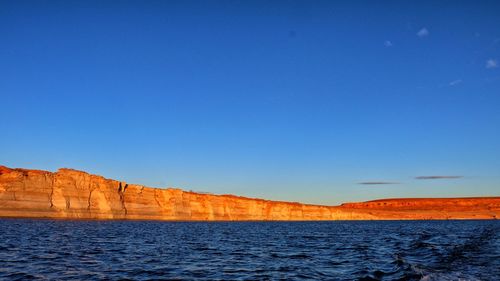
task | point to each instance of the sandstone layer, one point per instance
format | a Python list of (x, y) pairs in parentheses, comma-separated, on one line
[(75, 194)]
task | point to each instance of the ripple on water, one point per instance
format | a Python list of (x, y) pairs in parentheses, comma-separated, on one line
[(97, 250)]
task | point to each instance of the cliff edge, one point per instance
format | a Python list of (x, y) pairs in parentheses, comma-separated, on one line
[(75, 194)]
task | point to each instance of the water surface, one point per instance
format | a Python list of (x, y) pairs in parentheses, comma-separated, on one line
[(144, 250)]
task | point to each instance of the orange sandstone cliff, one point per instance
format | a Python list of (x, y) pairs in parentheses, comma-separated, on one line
[(74, 194)]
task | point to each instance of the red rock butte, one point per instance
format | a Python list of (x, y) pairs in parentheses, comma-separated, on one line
[(72, 194)]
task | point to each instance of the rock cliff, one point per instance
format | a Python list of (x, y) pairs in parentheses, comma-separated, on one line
[(74, 194)]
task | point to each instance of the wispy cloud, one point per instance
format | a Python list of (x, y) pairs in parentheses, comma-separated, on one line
[(437, 177), (388, 43), (423, 32), (377, 182), (455, 82), (491, 63)]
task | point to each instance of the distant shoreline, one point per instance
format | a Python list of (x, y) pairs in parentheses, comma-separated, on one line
[(76, 195)]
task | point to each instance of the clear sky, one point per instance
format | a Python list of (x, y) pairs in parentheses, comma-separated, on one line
[(311, 101)]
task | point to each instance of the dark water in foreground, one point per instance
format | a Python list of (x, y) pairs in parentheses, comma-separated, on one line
[(100, 250)]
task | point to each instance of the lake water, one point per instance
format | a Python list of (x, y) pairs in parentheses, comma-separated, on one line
[(144, 250)]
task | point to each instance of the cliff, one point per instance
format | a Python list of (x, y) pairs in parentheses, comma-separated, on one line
[(74, 194)]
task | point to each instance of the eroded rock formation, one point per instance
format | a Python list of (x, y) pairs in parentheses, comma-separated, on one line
[(74, 194)]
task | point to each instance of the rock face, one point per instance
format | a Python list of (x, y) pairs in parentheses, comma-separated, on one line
[(74, 194)]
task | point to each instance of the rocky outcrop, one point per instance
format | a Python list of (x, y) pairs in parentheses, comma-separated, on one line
[(74, 194)]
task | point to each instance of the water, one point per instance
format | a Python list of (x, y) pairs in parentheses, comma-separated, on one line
[(140, 250)]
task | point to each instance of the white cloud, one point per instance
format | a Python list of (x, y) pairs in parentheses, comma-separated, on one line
[(491, 63), (423, 32), (388, 43), (455, 82)]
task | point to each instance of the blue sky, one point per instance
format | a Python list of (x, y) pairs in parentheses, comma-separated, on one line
[(285, 100)]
